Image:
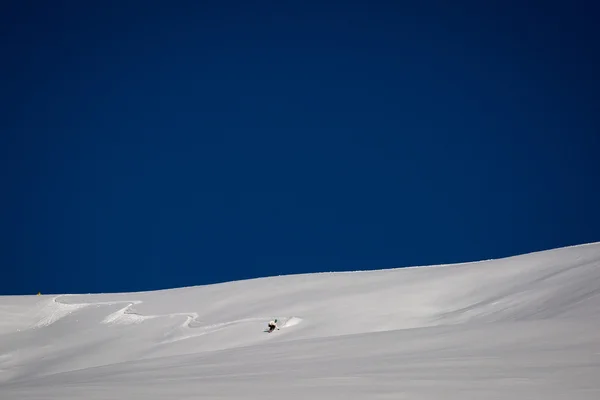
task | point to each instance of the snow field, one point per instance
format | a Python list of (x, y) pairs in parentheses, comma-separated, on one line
[(523, 327)]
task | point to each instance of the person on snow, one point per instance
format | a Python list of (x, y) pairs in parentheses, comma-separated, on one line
[(273, 325)]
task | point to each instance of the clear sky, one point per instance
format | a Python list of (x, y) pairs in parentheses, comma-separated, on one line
[(149, 145)]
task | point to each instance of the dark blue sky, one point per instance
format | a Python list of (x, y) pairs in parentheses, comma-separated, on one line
[(150, 146)]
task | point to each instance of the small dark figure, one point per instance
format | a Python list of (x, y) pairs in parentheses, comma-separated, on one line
[(272, 326)]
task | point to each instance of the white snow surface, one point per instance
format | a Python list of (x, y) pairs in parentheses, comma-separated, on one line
[(524, 327)]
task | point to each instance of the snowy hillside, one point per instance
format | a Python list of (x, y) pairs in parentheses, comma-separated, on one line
[(525, 327)]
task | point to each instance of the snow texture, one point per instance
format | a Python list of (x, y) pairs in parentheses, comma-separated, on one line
[(525, 327)]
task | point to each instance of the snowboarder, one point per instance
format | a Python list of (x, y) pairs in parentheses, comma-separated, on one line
[(273, 325)]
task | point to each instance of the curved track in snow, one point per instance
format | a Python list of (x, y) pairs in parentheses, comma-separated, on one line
[(55, 310)]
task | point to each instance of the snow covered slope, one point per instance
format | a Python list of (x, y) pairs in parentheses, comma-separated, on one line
[(525, 327)]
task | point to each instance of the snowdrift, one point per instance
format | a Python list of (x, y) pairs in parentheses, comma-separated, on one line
[(520, 327)]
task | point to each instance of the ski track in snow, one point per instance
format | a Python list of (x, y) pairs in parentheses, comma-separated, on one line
[(56, 310)]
